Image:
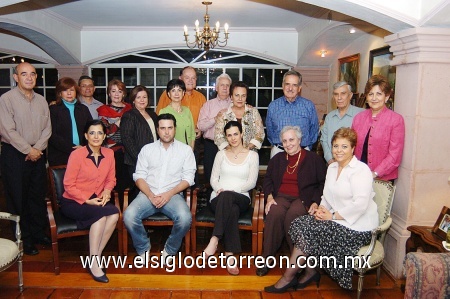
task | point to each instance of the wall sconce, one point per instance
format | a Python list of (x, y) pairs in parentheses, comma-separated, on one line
[(322, 53)]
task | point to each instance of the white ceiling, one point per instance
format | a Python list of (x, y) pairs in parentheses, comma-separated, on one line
[(325, 22)]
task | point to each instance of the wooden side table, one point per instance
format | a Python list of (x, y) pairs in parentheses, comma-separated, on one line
[(422, 236)]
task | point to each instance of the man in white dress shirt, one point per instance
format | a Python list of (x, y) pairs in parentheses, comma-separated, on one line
[(164, 169)]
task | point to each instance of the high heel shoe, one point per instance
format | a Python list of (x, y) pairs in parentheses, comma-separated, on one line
[(102, 278), (292, 284), (316, 277)]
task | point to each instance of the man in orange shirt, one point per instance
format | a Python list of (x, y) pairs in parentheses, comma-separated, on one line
[(193, 99)]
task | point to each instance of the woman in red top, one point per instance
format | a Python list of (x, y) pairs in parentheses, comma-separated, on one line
[(88, 182), (111, 116)]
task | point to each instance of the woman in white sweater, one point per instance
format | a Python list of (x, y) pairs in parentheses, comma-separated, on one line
[(234, 173)]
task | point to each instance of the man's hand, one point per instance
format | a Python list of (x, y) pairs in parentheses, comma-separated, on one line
[(162, 199), (33, 155), (331, 161)]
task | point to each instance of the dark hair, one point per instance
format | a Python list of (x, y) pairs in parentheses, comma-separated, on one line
[(238, 84), (119, 85), (175, 83), (187, 67), (64, 84), (230, 124), (379, 80), (94, 122), (84, 77), (167, 116), (345, 133), (137, 89)]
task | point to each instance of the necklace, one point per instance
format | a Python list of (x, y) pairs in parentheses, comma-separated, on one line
[(178, 109), (236, 154), (295, 165)]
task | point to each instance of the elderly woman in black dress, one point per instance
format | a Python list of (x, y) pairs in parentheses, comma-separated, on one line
[(339, 226)]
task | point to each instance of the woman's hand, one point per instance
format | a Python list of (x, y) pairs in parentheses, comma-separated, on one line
[(270, 201), (251, 146), (94, 201), (313, 208), (105, 197), (323, 213)]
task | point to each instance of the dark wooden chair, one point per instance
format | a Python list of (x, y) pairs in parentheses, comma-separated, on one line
[(203, 216), (62, 227), (158, 219)]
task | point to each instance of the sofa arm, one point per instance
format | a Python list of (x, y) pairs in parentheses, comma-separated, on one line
[(427, 275)]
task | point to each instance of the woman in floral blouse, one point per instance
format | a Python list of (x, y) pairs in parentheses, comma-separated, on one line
[(247, 116)]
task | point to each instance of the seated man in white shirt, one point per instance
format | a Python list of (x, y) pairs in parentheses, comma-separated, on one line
[(164, 169)]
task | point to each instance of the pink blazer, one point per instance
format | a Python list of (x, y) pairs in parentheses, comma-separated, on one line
[(83, 178), (386, 141)]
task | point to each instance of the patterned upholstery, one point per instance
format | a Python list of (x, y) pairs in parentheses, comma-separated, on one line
[(427, 275)]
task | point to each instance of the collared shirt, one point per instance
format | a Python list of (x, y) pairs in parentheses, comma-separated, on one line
[(24, 123), (386, 141), (193, 101), (301, 112), (163, 168), (351, 195), (333, 122), (206, 118), (92, 106)]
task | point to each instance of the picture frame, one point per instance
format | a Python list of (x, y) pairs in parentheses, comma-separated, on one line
[(442, 224), (379, 64), (349, 71)]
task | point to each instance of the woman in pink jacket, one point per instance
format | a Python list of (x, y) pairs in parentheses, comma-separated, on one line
[(381, 132)]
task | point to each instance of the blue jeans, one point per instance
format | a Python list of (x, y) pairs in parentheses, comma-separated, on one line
[(141, 207)]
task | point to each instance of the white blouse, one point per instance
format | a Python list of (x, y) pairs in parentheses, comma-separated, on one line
[(229, 176), (351, 195)]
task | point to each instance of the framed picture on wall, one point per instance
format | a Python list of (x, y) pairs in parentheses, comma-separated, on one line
[(442, 224), (349, 71), (379, 64)]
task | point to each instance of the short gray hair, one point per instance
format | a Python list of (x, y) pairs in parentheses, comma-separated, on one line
[(340, 84), (296, 129), (223, 76), (293, 73)]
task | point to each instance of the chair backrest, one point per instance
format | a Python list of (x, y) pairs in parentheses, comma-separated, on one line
[(56, 176), (384, 196)]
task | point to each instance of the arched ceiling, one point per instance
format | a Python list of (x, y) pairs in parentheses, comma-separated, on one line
[(320, 23)]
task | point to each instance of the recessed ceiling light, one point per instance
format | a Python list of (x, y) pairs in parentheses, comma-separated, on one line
[(352, 30)]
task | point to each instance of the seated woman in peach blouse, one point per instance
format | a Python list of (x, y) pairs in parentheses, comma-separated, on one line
[(88, 182)]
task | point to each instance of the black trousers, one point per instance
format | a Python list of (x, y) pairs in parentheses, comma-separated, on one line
[(227, 206), (209, 155), (25, 184)]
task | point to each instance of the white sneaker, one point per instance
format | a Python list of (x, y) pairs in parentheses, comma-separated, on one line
[(166, 258)]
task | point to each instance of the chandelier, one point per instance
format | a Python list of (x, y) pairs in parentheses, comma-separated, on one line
[(207, 38)]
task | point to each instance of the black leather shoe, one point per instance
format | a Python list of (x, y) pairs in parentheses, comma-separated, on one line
[(292, 284), (43, 241), (102, 278), (262, 271), (30, 249), (315, 278)]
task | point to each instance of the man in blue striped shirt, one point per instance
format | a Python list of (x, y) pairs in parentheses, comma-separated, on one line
[(292, 110)]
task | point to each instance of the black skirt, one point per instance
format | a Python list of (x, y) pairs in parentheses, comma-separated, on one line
[(85, 215), (328, 238)]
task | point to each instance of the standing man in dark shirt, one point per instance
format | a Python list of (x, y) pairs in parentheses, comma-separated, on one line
[(25, 129)]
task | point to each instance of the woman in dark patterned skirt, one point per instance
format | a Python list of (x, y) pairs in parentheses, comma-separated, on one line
[(339, 226)]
